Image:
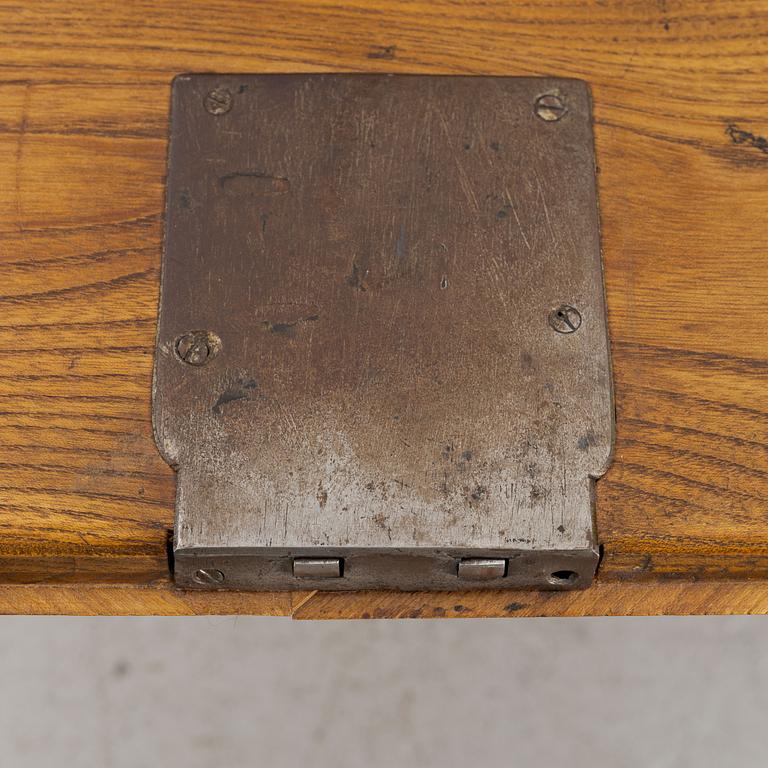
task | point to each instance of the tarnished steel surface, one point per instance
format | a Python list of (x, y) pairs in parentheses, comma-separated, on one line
[(382, 330)]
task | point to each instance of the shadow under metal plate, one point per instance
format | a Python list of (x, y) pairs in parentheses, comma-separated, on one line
[(382, 357)]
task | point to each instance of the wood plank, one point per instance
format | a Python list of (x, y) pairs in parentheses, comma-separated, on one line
[(681, 119), (605, 598), (158, 600)]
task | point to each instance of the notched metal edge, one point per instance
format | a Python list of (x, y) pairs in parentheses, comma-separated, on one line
[(603, 296), (160, 342), (595, 475)]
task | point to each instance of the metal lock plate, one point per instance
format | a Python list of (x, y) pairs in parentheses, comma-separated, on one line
[(382, 357)]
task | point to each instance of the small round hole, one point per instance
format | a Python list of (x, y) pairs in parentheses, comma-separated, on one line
[(563, 577)]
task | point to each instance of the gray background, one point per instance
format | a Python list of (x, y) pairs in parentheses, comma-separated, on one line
[(230, 692)]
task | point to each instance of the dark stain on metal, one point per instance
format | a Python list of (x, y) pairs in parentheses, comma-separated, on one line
[(401, 248), (526, 362), (355, 279), (288, 328), (585, 441), (479, 492), (241, 391), (254, 183)]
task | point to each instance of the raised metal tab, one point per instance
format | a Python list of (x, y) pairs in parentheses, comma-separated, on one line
[(482, 568), (382, 337), (317, 568)]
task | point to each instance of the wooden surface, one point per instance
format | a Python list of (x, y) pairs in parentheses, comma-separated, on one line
[(605, 598), (681, 108)]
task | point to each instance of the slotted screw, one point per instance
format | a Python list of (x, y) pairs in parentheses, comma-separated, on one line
[(565, 319), (208, 576), (550, 107), (218, 101), (195, 347)]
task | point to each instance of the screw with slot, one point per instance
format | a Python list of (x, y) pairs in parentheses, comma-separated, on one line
[(565, 319), (196, 347), (218, 101), (550, 107), (208, 576)]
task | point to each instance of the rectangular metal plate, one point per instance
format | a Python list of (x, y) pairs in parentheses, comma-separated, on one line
[(382, 332)]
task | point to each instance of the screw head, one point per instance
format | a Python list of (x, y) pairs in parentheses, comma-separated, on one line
[(565, 319), (550, 107), (218, 101), (208, 576), (197, 347)]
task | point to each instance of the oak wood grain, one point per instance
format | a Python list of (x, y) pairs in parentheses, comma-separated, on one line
[(605, 598), (681, 110), (134, 600)]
